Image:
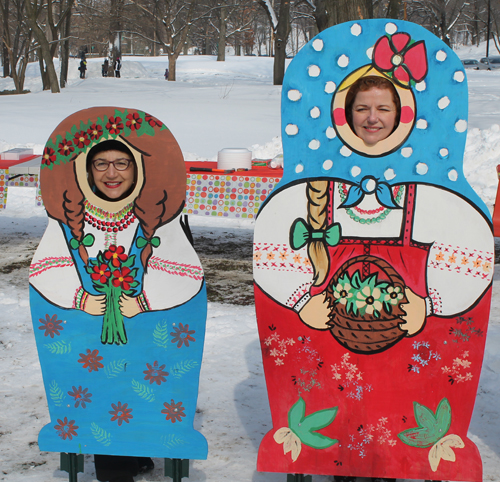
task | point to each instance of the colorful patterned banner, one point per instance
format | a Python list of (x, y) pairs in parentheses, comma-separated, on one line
[(227, 195)]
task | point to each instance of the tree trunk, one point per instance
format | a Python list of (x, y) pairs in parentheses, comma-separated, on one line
[(221, 50), (394, 9), (333, 12), (65, 31), (5, 11), (280, 40), (171, 67), (114, 34)]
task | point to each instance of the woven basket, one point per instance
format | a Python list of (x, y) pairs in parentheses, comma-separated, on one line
[(366, 334)]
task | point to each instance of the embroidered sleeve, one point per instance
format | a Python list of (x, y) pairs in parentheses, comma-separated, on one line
[(80, 299), (143, 303)]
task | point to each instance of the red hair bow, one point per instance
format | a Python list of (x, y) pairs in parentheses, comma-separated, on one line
[(394, 57)]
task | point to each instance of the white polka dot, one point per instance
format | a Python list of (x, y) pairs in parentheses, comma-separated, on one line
[(291, 129), (330, 87), (318, 45), (390, 28), (421, 168), (443, 102), (345, 151), (327, 165), (314, 144), (441, 55), (421, 124), (370, 185), (343, 61), (330, 133), (452, 175), (356, 29), (315, 112), (406, 152), (314, 71), (461, 125), (299, 168), (294, 95), (389, 174), (459, 76), (443, 152), (421, 86), (369, 53), (355, 171)]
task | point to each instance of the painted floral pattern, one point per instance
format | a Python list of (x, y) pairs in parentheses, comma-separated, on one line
[(81, 396), (173, 411), (182, 335), (51, 325), (91, 360), (65, 429), (155, 373), (121, 413)]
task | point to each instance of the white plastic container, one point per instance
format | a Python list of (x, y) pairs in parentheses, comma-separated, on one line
[(234, 158)]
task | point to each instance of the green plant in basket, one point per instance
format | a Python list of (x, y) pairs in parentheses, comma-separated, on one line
[(366, 296), (112, 275)]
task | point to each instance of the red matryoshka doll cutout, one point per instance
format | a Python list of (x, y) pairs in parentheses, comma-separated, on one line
[(373, 262), (117, 291)]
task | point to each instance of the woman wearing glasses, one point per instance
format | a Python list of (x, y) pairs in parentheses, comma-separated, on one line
[(117, 291)]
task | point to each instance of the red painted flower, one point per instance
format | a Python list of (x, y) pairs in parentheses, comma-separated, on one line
[(66, 429), (101, 273), (155, 373), (395, 56), (121, 413), (182, 335), (49, 156), (173, 411), (91, 360), (51, 326), (122, 279), (116, 254), (152, 121), (81, 139), (94, 131), (114, 125), (66, 148), (81, 396), (134, 121)]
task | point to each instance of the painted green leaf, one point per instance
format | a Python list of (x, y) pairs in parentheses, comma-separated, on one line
[(182, 368), (431, 427), (160, 334), (114, 368), (172, 441), (58, 347), (143, 391), (100, 434), (305, 427), (56, 394)]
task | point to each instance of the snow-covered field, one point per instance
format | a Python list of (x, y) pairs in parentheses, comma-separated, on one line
[(212, 105)]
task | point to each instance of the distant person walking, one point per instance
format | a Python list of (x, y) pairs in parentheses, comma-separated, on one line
[(105, 67), (118, 66), (166, 74), (82, 68)]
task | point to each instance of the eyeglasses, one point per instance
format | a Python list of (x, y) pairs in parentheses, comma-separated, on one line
[(119, 164)]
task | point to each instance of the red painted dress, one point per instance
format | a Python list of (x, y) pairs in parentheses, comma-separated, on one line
[(374, 402)]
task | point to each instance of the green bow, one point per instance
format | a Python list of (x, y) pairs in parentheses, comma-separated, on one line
[(301, 234), (141, 242), (88, 240)]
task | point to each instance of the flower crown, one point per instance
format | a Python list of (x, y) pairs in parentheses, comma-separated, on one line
[(80, 139)]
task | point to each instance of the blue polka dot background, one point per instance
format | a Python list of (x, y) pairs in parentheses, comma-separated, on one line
[(433, 151)]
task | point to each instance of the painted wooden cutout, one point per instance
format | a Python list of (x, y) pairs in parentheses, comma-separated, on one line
[(125, 382), (373, 268)]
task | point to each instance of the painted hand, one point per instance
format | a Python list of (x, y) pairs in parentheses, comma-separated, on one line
[(415, 313), (95, 305), (315, 313), (129, 306)]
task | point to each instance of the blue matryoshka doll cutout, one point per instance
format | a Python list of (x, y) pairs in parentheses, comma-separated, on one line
[(124, 382), (373, 267)]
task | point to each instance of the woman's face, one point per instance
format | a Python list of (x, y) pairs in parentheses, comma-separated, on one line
[(373, 115), (113, 183)]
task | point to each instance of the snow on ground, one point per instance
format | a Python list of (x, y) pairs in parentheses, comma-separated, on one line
[(212, 105)]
